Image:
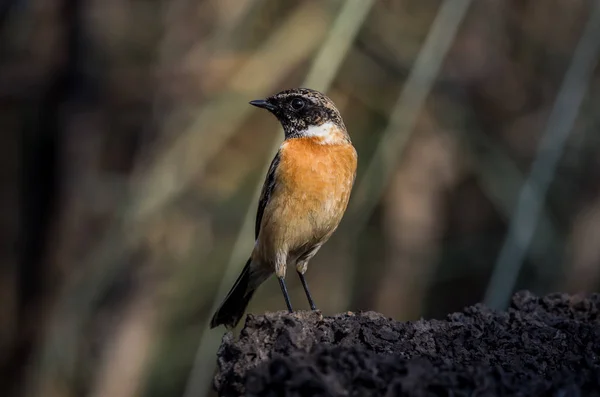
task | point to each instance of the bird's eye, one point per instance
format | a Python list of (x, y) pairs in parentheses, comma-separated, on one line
[(297, 103)]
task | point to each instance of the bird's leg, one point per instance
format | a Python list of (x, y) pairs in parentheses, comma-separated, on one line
[(305, 286), (285, 294)]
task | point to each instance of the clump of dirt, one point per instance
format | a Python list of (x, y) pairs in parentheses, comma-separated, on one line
[(540, 346)]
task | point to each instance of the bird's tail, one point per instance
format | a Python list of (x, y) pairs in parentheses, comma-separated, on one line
[(234, 305)]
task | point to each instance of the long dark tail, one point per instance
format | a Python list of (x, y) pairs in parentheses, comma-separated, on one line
[(233, 307)]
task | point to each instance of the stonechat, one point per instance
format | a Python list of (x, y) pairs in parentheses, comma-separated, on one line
[(303, 199)]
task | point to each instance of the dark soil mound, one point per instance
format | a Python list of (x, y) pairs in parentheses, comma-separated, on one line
[(540, 347)]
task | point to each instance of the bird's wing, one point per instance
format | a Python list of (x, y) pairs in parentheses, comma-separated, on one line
[(267, 190)]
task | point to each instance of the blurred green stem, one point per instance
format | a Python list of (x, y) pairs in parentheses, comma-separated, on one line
[(525, 219), (403, 119)]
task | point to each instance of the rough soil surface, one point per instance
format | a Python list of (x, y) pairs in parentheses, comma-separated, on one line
[(546, 346)]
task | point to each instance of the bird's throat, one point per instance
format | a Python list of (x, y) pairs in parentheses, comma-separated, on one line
[(326, 134)]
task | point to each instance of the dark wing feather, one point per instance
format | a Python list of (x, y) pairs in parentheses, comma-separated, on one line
[(265, 195)]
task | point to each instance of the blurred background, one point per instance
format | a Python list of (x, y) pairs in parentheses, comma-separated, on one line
[(131, 164)]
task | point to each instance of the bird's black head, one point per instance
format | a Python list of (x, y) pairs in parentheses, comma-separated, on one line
[(301, 108)]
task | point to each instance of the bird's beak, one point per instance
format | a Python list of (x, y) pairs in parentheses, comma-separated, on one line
[(261, 103)]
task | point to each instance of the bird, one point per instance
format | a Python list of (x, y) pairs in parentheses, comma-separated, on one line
[(303, 199)]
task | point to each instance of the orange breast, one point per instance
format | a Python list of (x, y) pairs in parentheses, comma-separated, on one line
[(313, 185)]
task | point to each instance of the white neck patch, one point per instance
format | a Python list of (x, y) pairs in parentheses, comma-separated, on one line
[(329, 133)]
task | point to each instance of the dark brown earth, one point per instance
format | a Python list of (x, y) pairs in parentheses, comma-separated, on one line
[(546, 346)]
